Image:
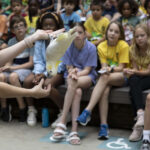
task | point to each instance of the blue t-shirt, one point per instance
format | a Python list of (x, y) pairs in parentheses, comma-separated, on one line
[(86, 57), (69, 20)]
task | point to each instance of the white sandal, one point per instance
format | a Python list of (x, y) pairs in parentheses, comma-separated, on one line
[(61, 131), (72, 137)]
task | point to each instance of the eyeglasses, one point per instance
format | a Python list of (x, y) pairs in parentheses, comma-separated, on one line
[(20, 26)]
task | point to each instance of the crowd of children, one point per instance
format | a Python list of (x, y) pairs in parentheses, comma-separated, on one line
[(117, 31)]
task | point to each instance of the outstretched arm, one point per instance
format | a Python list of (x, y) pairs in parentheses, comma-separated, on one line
[(9, 53), (9, 91)]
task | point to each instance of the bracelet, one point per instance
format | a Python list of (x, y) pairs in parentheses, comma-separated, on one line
[(28, 41)]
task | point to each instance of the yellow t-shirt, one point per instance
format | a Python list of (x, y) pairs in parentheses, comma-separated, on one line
[(113, 55), (142, 62), (97, 29), (31, 25)]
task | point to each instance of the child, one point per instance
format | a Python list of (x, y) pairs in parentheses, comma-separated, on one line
[(6, 9), (139, 79), (16, 7), (84, 8), (96, 25), (47, 21), (32, 17), (114, 56), (46, 5), (146, 18), (18, 68), (81, 60), (109, 10), (128, 10), (70, 16)]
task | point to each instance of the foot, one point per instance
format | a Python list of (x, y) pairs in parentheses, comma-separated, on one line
[(140, 119), (59, 118), (136, 134), (103, 133), (74, 138), (59, 133), (84, 118), (31, 119), (6, 114)]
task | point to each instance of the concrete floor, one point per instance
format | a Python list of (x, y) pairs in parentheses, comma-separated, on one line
[(19, 136)]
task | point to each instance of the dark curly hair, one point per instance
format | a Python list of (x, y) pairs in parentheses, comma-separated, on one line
[(133, 5), (54, 16)]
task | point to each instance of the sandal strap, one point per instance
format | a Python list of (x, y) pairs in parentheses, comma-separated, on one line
[(63, 126), (73, 133), (60, 131), (73, 138)]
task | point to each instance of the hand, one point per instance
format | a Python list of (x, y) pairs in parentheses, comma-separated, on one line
[(73, 73), (37, 78), (39, 92), (45, 34), (128, 72), (6, 68)]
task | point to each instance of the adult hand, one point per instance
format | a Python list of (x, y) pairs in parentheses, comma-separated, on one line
[(45, 34), (38, 91)]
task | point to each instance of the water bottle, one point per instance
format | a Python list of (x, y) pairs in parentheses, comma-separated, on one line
[(45, 118)]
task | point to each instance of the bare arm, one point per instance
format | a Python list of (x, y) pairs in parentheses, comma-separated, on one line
[(11, 52), (9, 91), (85, 71)]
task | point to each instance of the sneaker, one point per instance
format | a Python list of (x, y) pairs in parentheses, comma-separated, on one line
[(22, 115), (136, 135), (31, 119), (53, 125), (103, 133), (6, 114), (145, 145), (140, 120), (84, 118)]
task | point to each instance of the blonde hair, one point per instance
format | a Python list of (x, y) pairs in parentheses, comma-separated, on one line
[(135, 53)]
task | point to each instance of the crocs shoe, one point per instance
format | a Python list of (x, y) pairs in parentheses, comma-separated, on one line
[(84, 118)]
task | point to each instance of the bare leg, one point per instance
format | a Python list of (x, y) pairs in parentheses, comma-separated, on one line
[(54, 94), (14, 80), (28, 84), (116, 79), (3, 100), (72, 98), (76, 108), (103, 106)]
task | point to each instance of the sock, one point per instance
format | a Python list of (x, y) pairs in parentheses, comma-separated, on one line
[(146, 135)]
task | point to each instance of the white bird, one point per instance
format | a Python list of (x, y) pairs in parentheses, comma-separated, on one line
[(57, 48)]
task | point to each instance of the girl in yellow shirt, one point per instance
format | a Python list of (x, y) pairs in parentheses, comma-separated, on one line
[(139, 79), (114, 56)]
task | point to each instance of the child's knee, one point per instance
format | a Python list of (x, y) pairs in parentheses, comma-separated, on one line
[(13, 78)]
